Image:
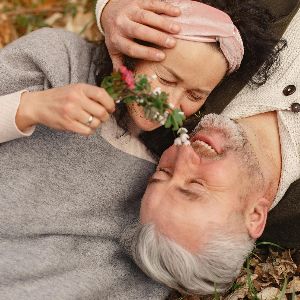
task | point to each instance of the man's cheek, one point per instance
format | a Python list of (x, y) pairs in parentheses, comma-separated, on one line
[(145, 208)]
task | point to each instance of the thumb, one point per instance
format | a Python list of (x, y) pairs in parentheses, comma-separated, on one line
[(117, 61)]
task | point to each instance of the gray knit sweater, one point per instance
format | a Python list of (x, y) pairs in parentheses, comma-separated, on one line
[(65, 199)]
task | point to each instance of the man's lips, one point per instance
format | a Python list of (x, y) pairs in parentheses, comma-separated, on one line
[(208, 140)]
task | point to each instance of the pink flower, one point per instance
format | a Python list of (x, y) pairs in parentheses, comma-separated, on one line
[(127, 77)]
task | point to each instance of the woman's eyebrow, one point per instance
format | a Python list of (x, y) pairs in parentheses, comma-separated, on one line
[(172, 72), (202, 91)]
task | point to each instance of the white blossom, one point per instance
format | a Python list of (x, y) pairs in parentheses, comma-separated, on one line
[(182, 130), (177, 141), (157, 90), (184, 137), (153, 77), (171, 105), (181, 113), (162, 120)]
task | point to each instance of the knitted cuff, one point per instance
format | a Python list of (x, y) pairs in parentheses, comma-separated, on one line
[(8, 127), (99, 9)]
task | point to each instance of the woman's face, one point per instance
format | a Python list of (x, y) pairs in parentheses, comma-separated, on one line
[(189, 73)]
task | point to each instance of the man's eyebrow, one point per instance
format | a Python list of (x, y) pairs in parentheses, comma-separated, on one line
[(205, 92), (153, 180)]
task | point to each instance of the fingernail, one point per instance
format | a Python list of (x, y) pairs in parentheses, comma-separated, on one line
[(175, 28), (170, 42), (160, 56)]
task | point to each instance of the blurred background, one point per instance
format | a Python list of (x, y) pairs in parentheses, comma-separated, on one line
[(18, 17)]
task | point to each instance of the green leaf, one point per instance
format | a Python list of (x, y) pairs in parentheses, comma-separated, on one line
[(154, 104)]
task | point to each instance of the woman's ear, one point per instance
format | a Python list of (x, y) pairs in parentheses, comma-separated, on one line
[(256, 217)]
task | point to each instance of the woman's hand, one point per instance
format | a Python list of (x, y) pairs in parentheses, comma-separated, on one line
[(126, 20), (79, 108)]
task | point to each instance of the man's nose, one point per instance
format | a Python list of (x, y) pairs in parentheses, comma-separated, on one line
[(186, 160)]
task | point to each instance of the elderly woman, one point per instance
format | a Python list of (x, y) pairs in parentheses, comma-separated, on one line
[(65, 199)]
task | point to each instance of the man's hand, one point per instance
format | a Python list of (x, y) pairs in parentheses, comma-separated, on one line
[(79, 108), (125, 20)]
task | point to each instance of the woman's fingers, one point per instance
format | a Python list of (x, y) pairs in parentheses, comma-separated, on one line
[(98, 95), (135, 50), (95, 110), (152, 19), (160, 7), (80, 108), (150, 34), (127, 20), (78, 127)]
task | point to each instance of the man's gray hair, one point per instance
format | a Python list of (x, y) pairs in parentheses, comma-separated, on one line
[(213, 268)]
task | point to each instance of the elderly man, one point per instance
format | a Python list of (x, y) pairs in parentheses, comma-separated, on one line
[(284, 220), (207, 203)]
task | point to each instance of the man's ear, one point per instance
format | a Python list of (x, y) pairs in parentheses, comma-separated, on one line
[(256, 217)]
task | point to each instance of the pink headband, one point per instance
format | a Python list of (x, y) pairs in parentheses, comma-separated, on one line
[(203, 23)]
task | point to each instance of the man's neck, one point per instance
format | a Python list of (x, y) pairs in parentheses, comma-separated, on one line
[(263, 133)]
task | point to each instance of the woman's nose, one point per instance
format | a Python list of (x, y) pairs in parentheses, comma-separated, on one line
[(175, 98)]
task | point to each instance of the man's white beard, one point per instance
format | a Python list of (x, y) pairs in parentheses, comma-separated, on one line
[(236, 141), (232, 132)]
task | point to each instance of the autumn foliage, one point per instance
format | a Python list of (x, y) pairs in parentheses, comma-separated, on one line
[(18, 17)]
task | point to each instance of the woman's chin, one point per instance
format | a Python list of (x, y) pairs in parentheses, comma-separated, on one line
[(137, 115), (146, 125)]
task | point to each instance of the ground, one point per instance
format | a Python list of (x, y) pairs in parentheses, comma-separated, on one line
[(270, 272)]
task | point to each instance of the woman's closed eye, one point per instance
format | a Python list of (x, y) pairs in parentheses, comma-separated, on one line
[(166, 82), (192, 96), (195, 97)]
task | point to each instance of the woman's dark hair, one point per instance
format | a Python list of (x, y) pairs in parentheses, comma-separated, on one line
[(262, 49)]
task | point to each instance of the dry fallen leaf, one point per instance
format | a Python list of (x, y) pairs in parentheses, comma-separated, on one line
[(293, 286), (238, 294), (269, 293)]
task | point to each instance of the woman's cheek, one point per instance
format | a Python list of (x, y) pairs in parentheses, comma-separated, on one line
[(189, 107), (136, 113)]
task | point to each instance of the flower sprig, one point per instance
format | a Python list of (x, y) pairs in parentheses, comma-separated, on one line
[(124, 86)]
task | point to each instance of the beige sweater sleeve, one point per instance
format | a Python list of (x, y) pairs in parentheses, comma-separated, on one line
[(8, 109)]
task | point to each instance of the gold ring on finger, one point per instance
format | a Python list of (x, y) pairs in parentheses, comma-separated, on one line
[(89, 121)]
